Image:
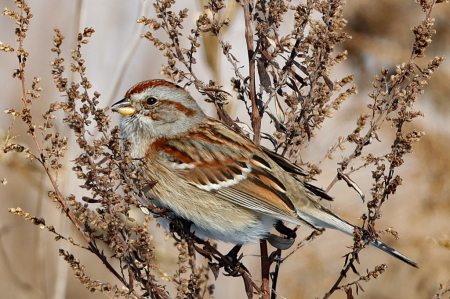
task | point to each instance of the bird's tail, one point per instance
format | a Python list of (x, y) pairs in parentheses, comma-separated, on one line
[(327, 219), (380, 245)]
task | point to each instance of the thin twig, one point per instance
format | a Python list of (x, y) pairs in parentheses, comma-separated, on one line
[(343, 274), (275, 274), (256, 114), (43, 162), (256, 125), (265, 269)]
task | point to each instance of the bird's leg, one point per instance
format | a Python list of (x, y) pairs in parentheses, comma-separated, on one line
[(280, 242), (232, 256), (283, 229), (181, 227)]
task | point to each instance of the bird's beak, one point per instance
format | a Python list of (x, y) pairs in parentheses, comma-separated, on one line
[(123, 107)]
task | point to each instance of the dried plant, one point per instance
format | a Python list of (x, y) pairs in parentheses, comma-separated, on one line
[(290, 72), (443, 289)]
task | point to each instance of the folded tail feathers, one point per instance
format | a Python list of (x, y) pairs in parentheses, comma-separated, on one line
[(331, 220), (380, 245)]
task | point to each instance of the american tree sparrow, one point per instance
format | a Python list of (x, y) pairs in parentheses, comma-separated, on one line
[(229, 188)]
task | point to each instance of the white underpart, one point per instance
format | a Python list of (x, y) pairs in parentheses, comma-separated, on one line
[(251, 234)]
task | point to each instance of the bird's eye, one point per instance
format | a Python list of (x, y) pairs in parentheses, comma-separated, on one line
[(151, 101)]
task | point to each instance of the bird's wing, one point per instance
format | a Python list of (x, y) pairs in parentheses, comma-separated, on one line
[(296, 170), (285, 163), (214, 158)]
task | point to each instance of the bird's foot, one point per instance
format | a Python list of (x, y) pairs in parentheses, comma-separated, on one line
[(234, 266)]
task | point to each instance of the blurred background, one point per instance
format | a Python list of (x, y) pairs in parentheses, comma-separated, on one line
[(116, 58)]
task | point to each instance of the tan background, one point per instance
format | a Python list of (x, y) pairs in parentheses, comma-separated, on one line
[(29, 261)]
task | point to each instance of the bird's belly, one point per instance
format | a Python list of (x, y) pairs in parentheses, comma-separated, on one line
[(227, 222), (237, 234)]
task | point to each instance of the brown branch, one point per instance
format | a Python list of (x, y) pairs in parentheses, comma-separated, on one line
[(442, 290), (33, 133), (273, 291), (92, 247), (265, 269), (256, 114), (343, 274), (256, 125), (218, 256)]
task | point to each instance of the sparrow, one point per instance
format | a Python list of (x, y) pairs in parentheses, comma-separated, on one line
[(226, 186)]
